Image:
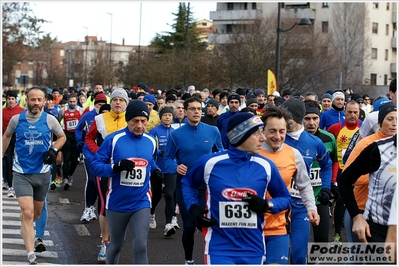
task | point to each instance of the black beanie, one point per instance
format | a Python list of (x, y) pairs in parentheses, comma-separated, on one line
[(104, 107), (384, 110), (234, 96), (297, 109), (223, 94), (166, 109), (214, 102), (312, 110), (241, 125), (12, 93), (136, 108)]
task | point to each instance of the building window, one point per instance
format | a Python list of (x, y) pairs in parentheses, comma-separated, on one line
[(229, 28), (385, 79), (375, 28), (373, 53), (230, 6), (386, 54), (324, 4), (386, 29), (245, 6), (253, 5), (203, 23), (373, 79), (324, 26), (375, 4), (62, 53), (387, 6)]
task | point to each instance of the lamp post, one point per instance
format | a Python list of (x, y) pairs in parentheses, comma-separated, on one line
[(303, 21), (87, 43), (110, 41), (173, 63)]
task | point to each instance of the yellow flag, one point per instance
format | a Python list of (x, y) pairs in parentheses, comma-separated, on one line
[(271, 82)]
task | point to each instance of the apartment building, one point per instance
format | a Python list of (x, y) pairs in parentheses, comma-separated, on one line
[(69, 63), (382, 26)]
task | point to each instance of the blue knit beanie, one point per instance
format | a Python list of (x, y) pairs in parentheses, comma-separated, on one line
[(241, 125)]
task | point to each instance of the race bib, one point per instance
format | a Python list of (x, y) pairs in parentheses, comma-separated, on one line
[(315, 178), (136, 177), (294, 192), (71, 125), (236, 214)]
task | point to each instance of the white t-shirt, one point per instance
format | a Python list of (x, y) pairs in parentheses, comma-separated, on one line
[(393, 213)]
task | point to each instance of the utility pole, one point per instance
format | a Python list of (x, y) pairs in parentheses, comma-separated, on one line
[(186, 60)]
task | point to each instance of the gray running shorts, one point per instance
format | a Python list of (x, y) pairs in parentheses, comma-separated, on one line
[(34, 185)]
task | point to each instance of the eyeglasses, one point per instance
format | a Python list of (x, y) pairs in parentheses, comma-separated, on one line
[(194, 109), (367, 99), (258, 133)]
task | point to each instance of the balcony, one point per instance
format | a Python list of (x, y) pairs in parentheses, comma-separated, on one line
[(230, 15), (298, 13), (219, 38), (393, 67), (393, 42)]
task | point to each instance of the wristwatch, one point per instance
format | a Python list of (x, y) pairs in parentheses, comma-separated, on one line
[(270, 205)]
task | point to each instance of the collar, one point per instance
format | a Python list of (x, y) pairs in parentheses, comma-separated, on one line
[(295, 135)]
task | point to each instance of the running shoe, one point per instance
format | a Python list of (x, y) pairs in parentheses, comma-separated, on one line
[(169, 230), (53, 185), (10, 192), (58, 180), (92, 213), (192, 262), (336, 240), (174, 223), (32, 258), (102, 255), (86, 215), (153, 223), (39, 245), (67, 183)]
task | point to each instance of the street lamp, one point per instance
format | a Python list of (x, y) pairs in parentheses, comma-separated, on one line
[(303, 21), (87, 43), (173, 63), (110, 42)]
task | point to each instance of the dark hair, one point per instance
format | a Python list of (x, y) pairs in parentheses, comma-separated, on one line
[(191, 100), (392, 86), (311, 104), (248, 109), (276, 112), (49, 96), (365, 95)]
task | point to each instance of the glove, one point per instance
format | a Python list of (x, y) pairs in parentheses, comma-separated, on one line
[(256, 203), (198, 214), (335, 191), (50, 156), (157, 175), (324, 196), (123, 165), (161, 153), (80, 146)]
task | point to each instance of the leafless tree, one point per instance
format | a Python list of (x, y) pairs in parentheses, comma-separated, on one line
[(351, 42)]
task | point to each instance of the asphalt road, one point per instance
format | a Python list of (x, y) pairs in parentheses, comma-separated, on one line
[(72, 242)]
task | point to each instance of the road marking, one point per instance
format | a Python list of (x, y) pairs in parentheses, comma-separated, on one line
[(15, 241), (82, 230), (18, 232), (22, 252)]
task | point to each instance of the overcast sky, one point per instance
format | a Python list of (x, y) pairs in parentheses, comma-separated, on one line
[(68, 19)]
